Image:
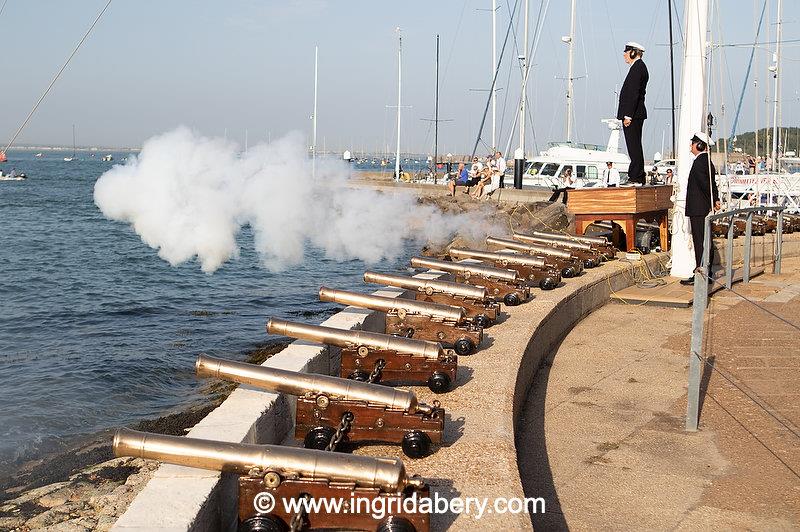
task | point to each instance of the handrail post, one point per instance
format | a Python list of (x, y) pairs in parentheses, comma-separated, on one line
[(698, 310), (778, 242), (747, 240), (729, 255)]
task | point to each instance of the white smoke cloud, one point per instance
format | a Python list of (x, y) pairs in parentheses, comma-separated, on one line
[(188, 196)]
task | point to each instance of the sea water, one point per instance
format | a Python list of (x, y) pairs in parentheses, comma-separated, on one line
[(96, 331)]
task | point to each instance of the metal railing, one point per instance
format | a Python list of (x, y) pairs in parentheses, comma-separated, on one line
[(701, 288)]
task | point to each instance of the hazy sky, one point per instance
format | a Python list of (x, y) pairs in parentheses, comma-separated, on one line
[(151, 65)]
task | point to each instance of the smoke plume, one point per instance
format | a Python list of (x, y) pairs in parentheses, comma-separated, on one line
[(188, 196)]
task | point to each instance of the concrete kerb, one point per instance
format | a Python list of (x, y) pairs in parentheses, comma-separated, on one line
[(180, 498)]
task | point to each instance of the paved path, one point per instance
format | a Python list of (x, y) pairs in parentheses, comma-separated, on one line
[(603, 441)]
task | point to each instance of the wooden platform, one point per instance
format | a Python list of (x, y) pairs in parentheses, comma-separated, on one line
[(673, 293)]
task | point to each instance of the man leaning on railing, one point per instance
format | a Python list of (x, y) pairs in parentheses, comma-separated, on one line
[(700, 189)]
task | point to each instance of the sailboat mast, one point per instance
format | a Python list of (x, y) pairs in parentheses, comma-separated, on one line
[(671, 76), (777, 75), (399, 99), (494, 67), (74, 148), (524, 57), (436, 114), (570, 71), (314, 116)]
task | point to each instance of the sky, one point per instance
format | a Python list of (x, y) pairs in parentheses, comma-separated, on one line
[(227, 67)]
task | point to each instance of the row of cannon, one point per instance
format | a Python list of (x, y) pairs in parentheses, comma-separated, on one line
[(419, 344), (760, 225)]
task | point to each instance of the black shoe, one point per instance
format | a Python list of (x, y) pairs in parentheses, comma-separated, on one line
[(688, 282)]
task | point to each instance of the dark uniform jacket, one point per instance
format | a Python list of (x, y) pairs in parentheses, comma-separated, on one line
[(698, 195), (631, 97)]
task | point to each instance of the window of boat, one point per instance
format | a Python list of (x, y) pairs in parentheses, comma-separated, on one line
[(535, 168), (581, 173), (549, 169), (591, 172)]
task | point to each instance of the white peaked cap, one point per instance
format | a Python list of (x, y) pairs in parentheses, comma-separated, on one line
[(705, 138), (635, 45)]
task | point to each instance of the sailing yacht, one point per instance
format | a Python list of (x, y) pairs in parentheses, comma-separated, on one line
[(72, 158)]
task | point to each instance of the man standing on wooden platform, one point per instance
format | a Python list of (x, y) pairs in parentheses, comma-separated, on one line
[(632, 111), (701, 196)]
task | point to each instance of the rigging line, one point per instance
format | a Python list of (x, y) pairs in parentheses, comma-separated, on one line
[(747, 73), (453, 44), (2, 8), (494, 82), (58, 75), (754, 44), (613, 37)]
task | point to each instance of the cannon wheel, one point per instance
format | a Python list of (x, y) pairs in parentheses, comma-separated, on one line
[(359, 375), (395, 524), (512, 299), (263, 523), (439, 382), (416, 444), (319, 438), (547, 284), (482, 321), (464, 346)]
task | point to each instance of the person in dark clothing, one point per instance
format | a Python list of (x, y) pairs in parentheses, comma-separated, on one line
[(632, 111), (701, 194)]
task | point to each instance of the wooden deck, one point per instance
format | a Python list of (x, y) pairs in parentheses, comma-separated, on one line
[(673, 293)]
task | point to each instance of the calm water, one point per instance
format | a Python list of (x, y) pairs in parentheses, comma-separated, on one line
[(96, 331)]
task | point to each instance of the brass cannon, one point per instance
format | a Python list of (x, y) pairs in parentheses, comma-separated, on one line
[(475, 300), (505, 285), (591, 258), (597, 243), (758, 227), (376, 357), (445, 324), (365, 412), (770, 223), (557, 259), (720, 228), (533, 269), (287, 473)]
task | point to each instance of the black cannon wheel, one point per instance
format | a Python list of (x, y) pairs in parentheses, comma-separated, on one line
[(416, 444), (439, 382), (512, 299), (548, 283), (395, 524), (263, 523), (319, 438), (482, 321), (464, 347)]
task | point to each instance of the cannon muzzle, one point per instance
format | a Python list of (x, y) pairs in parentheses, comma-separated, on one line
[(502, 258), (509, 276), (348, 339), (302, 384), (429, 286), (576, 238), (241, 458), (546, 240), (530, 248), (392, 304)]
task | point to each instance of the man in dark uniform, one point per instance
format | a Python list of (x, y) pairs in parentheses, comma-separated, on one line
[(632, 111), (701, 190)]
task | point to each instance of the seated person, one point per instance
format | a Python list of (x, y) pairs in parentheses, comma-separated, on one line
[(486, 180), (475, 169), (461, 178), (567, 181)]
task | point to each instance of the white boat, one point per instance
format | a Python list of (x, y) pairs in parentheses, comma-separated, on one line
[(13, 176), (587, 161), (72, 158), (40, 154), (108, 157)]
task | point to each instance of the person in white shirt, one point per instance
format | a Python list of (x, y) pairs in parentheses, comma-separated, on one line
[(610, 175)]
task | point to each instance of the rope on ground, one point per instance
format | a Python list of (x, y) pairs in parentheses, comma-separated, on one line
[(58, 75)]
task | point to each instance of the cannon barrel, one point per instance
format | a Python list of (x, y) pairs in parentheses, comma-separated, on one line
[(347, 338), (531, 248), (509, 258), (576, 238), (571, 244), (389, 304), (509, 276), (387, 474), (425, 285), (300, 384)]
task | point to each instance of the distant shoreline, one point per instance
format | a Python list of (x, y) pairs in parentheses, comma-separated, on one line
[(70, 148)]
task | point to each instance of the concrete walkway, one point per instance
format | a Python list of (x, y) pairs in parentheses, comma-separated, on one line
[(603, 432)]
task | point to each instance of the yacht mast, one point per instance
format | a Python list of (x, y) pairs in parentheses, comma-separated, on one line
[(399, 99), (524, 60), (571, 43), (776, 69), (491, 73), (314, 117)]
